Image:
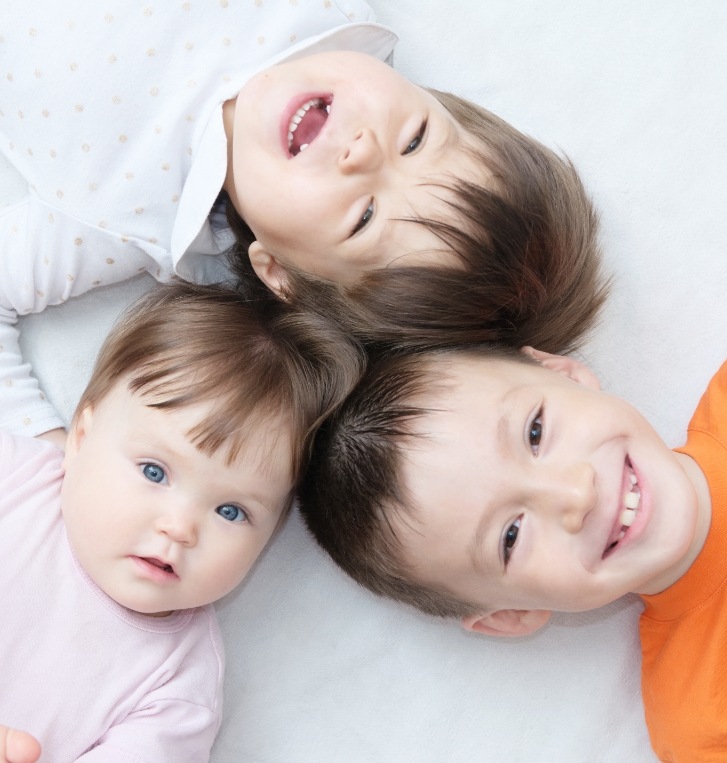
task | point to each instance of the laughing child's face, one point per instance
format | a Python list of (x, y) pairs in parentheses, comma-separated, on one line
[(158, 524), (532, 490), (329, 152)]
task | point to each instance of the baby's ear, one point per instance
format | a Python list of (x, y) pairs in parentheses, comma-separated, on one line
[(507, 622), (268, 269), (566, 365), (80, 426)]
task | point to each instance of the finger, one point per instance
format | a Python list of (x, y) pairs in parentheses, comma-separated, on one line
[(20, 747)]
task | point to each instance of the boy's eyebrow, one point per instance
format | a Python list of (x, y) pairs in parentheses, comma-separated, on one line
[(504, 423), (503, 438), (477, 551)]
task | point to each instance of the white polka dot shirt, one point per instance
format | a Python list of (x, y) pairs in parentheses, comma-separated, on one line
[(112, 112)]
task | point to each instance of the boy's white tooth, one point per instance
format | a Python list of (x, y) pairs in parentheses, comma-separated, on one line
[(631, 500), (633, 479), (303, 147), (621, 534), (627, 517), (297, 119)]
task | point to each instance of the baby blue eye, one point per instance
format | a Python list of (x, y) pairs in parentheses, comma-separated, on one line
[(231, 513), (509, 539), (153, 472)]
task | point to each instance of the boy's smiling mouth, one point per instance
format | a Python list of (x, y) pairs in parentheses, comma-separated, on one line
[(627, 514), (307, 122)]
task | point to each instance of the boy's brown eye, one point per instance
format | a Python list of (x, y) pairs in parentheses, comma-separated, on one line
[(510, 538), (536, 431)]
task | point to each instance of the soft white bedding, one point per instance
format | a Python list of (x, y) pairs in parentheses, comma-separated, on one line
[(319, 670)]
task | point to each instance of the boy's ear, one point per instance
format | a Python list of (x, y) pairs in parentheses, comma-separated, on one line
[(80, 427), (268, 269), (566, 365), (507, 622)]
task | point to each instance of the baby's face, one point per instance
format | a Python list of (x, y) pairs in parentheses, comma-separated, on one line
[(157, 524), (533, 491), (329, 152)]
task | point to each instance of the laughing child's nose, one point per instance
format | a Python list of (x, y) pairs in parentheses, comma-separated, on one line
[(362, 154)]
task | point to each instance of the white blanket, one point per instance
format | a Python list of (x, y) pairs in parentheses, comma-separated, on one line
[(319, 670)]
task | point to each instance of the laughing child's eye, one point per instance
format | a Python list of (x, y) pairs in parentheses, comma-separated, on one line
[(535, 432), (231, 513), (509, 539), (414, 145), (153, 472), (365, 219)]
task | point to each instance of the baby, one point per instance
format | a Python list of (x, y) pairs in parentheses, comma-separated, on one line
[(181, 461), (137, 127), (495, 487)]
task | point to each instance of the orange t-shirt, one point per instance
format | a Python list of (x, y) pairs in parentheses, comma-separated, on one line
[(684, 629)]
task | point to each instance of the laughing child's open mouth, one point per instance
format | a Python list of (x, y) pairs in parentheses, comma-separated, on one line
[(306, 123)]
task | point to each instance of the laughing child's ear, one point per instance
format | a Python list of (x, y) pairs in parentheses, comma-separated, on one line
[(507, 622), (268, 269), (566, 365)]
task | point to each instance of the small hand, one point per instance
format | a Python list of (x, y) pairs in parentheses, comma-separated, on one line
[(17, 746)]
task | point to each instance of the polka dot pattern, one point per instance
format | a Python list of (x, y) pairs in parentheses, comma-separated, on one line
[(122, 155)]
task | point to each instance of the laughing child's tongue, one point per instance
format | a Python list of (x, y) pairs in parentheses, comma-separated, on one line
[(308, 128)]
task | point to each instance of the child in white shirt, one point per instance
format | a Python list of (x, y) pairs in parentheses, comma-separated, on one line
[(136, 126)]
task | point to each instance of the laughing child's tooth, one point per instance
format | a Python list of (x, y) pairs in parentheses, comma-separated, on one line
[(633, 479), (627, 517), (631, 500)]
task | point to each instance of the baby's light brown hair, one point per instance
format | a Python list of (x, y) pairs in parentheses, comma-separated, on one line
[(256, 361)]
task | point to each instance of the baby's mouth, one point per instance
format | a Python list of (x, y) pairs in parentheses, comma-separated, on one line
[(306, 123), (159, 564), (631, 504)]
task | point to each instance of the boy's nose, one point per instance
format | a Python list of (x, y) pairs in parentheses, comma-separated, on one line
[(362, 154), (570, 493)]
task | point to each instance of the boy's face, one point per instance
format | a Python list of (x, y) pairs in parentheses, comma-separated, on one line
[(374, 142), (156, 523), (534, 491)]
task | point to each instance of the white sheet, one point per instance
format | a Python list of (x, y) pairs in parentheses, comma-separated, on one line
[(319, 670)]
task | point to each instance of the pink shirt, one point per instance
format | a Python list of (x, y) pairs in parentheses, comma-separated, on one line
[(90, 679)]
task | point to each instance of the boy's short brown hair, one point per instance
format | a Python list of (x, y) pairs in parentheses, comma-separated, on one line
[(527, 266), (181, 344), (353, 488)]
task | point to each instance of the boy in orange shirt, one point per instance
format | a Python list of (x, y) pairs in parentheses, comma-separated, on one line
[(481, 485)]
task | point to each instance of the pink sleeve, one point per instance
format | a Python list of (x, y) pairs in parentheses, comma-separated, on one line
[(167, 731), (31, 471)]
